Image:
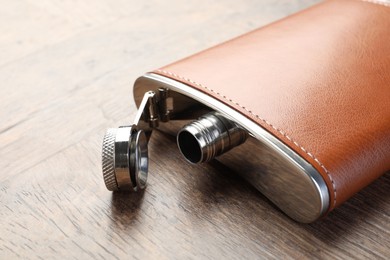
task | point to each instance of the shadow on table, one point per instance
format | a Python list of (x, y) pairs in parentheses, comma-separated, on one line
[(214, 187), (125, 206), (350, 219)]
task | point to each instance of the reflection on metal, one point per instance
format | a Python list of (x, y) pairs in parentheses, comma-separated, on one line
[(125, 159), (208, 137), (288, 180)]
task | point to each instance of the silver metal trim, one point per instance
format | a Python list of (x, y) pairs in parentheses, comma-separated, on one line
[(123, 169), (307, 172), (125, 159), (139, 159), (208, 137)]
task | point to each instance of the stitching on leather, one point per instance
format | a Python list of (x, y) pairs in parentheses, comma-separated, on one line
[(265, 121), (378, 2)]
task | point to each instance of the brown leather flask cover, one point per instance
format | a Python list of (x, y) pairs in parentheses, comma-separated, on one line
[(318, 80)]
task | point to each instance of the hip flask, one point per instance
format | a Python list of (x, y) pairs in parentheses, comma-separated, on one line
[(299, 108)]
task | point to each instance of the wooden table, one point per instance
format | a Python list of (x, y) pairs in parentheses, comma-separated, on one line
[(66, 74)]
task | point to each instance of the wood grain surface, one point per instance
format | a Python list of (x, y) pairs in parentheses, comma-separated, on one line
[(66, 74)]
